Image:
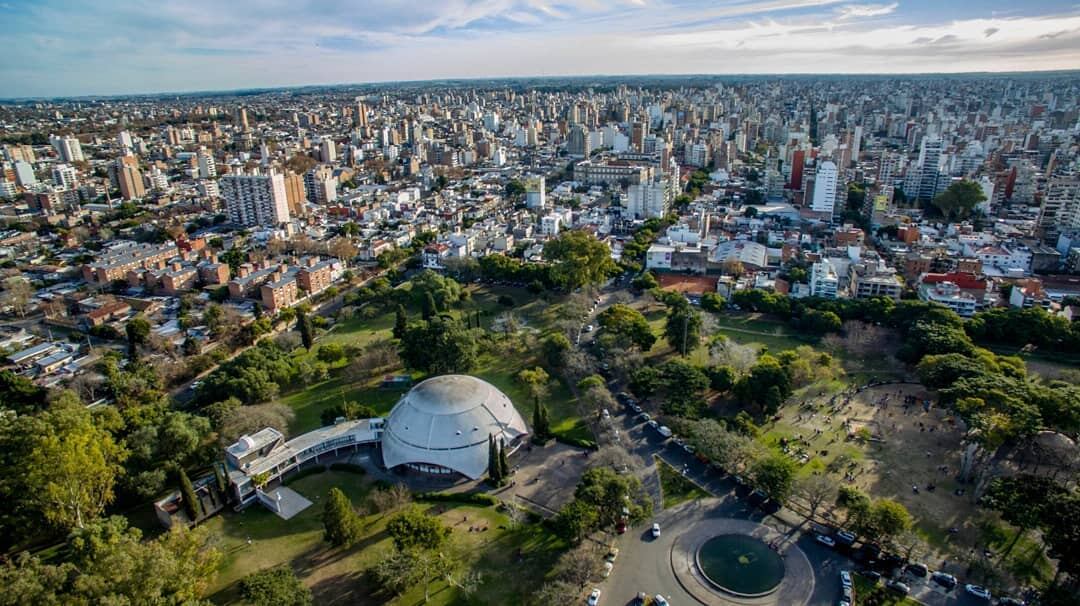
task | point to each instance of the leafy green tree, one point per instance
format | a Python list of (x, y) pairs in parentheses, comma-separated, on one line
[(628, 326), (646, 281), (20, 394), (576, 520), (72, 466), (767, 384), (608, 493), (959, 200), (138, 331), (554, 347), (854, 501), (1024, 501), (429, 309), (722, 378), (504, 464), (192, 504), (439, 346), (712, 302), (578, 259), (275, 587), (331, 352), (683, 326), (890, 518), (775, 475), (684, 388), (341, 524), (541, 424), (493, 468), (414, 529), (536, 381)]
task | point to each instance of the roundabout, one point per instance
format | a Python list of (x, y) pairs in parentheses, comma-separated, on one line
[(722, 561), (741, 565)]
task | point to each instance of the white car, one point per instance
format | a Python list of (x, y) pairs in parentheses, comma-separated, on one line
[(825, 540), (594, 597), (608, 567), (655, 530), (845, 578), (589, 328), (979, 592), (659, 600)]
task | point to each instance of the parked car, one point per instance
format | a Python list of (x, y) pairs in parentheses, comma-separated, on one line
[(871, 575), (608, 567), (977, 591), (825, 540), (944, 579), (644, 417), (898, 587), (845, 578), (758, 496), (664, 431), (655, 530), (605, 413), (1011, 602), (917, 569), (589, 328), (659, 600), (847, 593), (635, 408), (652, 423), (612, 554), (689, 449), (594, 597), (845, 537)]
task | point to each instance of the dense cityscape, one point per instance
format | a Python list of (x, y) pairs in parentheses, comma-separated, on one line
[(659, 339)]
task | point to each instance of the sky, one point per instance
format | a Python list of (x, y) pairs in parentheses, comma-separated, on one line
[(80, 47)]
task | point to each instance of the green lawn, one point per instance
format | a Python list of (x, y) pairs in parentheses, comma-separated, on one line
[(674, 488), (337, 576), (501, 371)]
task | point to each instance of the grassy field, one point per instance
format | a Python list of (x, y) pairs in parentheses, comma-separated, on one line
[(513, 562), (674, 487), (531, 311)]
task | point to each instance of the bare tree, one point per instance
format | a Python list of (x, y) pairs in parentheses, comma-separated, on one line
[(580, 565), (17, 293), (816, 490), (726, 352), (384, 500)]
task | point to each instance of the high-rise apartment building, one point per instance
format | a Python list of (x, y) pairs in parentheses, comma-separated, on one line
[(577, 142), (295, 194), (207, 166), (65, 176), (825, 179), (255, 200), (69, 148), (129, 178), (1060, 211), (534, 193), (649, 199), (24, 173), (328, 150)]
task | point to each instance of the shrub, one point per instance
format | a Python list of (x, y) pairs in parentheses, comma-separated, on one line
[(303, 473), (579, 442), (348, 468), (471, 498)]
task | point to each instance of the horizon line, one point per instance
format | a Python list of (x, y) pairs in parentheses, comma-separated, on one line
[(227, 92)]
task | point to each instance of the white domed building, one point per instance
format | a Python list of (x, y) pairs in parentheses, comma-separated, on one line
[(441, 426)]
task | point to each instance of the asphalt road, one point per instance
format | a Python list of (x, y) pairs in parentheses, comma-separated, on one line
[(644, 563)]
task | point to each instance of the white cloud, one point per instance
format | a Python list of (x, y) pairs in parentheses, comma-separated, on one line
[(862, 11)]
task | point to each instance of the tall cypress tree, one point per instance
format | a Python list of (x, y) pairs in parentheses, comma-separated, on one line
[(504, 465), (341, 525), (400, 321), (192, 505), (303, 322), (493, 462), (429, 308)]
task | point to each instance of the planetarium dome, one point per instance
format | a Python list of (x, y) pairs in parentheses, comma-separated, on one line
[(441, 426)]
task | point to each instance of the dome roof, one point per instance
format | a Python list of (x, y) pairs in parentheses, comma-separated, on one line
[(446, 421)]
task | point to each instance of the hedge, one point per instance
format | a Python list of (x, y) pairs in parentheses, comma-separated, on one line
[(349, 468), (579, 442), (303, 473), (474, 498)]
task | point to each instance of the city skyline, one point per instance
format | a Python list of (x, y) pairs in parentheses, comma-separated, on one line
[(110, 48)]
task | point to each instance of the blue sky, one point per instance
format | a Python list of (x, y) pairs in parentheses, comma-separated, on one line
[(75, 47)]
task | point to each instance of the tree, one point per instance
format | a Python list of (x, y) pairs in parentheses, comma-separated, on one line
[(775, 475), (341, 525), (554, 347), (889, 518), (576, 520), (307, 331), (536, 381), (578, 259), (684, 388), (722, 378), (494, 469), (1024, 501), (959, 199), (72, 465), (109, 563), (628, 326), (429, 309), (401, 321), (138, 331), (683, 326), (192, 504), (504, 464), (712, 302), (854, 501), (609, 493), (275, 587), (766, 385), (541, 424), (20, 394), (414, 529), (438, 346), (816, 490), (17, 293)]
